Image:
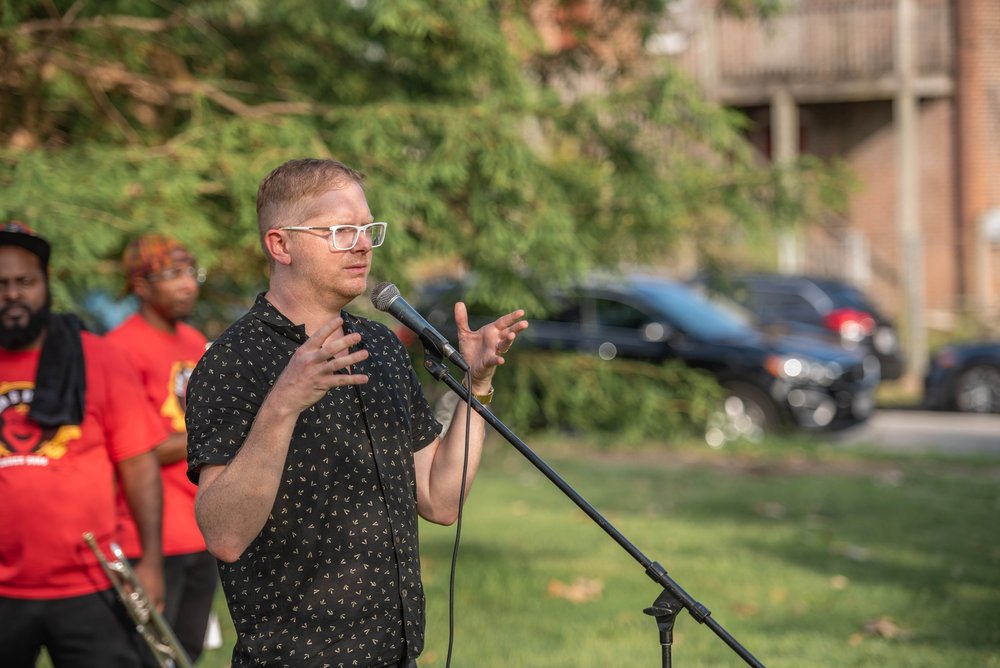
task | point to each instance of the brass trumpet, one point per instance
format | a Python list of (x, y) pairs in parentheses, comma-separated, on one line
[(149, 623)]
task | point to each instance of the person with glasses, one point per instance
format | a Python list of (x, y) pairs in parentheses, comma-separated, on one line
[(74, 427), (313, 446), (163, 349)]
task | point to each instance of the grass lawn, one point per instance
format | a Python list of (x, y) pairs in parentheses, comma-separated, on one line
[(807, 555)]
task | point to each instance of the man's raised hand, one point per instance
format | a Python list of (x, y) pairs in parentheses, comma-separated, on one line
[(321, 363)]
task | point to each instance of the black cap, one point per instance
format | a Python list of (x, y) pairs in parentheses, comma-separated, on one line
[(16, 233)]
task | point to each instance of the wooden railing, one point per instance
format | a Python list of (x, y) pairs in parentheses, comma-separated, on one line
[(822, 41)]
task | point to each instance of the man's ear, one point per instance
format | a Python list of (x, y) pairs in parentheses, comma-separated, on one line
[(277, 246)]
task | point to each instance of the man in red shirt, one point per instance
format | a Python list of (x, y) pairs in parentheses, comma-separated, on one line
[(72, 420), (163, 349)]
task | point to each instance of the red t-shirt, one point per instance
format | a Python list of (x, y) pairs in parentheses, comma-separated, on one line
[(164, 362), (56, 483)]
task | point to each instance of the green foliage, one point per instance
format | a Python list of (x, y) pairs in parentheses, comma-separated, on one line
[(762, 9), (126, 116), (632, 400), (556, 391)]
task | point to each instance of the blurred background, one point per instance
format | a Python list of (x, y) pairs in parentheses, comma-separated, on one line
[(848, 139), (809, 188), (537, 143)]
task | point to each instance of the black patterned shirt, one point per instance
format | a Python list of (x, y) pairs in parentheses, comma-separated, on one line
[(333, 579)]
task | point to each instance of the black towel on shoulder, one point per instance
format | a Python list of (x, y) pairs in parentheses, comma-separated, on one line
[(61, 380)]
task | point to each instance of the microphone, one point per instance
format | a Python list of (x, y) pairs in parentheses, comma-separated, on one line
[(386, 297)]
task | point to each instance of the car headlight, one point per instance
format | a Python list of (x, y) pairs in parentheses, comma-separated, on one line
[(791, 367)]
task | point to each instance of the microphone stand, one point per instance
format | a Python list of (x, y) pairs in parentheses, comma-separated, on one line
[(672, 599)]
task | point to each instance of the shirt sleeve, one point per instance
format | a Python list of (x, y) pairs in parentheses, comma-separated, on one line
[(223, 398), (131, 426), (424, 426)]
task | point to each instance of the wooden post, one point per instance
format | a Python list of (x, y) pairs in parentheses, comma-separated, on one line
[(906, 117)]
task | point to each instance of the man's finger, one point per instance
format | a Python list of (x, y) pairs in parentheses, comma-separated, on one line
[(351, 379), (511, 319), (461, 316), (320, 336), (333, 346), (338, 363)]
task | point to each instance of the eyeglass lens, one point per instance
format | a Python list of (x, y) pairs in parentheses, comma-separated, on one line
[(170, 273), (345, 237)]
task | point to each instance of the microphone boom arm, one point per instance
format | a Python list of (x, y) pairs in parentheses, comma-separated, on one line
[(673, 597)]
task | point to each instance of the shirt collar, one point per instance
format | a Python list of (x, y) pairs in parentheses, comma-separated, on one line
[(266, 312)]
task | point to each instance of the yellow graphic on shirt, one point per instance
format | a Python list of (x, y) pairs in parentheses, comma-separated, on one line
[(20, 435), (174, 405)]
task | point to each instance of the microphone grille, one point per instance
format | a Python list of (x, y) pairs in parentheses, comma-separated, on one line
[(383, 295)]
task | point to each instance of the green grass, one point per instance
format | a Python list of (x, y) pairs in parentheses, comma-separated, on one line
[(807, 555)]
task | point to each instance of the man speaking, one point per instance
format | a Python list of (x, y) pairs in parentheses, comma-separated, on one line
[(313, 446)]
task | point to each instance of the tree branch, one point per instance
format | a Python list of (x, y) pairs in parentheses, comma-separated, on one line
[(158, 91), (137, 23)]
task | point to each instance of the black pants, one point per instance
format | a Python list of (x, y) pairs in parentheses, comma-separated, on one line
[(78, 632), (190, 581)]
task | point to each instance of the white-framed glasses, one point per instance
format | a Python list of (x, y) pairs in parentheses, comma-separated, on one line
[(345, 237), (172, 273)]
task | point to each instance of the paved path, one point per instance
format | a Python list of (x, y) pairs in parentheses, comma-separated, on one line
[(925, 431)]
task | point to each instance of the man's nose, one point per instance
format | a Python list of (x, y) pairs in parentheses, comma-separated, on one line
[(363, 245), (189, 282), (11, 291)]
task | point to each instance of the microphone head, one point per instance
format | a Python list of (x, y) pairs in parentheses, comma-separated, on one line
[(383, 295)]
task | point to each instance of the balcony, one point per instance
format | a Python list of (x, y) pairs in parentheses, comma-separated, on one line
[(821, 51)]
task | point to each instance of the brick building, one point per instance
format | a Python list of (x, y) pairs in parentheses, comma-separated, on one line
[(907, 92)]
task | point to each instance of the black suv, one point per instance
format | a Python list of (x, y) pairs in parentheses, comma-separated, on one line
[(769, 381), (964, 377), (822, 306)]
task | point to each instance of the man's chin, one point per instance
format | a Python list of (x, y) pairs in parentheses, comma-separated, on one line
[(357, 287), (21, 333), (14, 322), (18, 338)]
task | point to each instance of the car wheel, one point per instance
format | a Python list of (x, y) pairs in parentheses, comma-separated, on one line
[(977, 390), (747, 414)]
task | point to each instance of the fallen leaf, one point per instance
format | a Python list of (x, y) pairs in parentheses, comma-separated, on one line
[(891, 478), (852, 552), (771, 510), (580, 591), (746, 609), (519, 509), (884, 627)]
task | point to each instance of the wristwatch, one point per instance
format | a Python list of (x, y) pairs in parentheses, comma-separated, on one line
[(484, 399)]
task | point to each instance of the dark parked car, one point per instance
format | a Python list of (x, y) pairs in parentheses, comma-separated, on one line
[(964, 377), (770, 381), (822, 306)]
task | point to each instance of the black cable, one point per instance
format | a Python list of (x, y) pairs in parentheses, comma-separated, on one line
[(458, 522)]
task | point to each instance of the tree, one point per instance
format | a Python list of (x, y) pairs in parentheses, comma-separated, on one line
[(131, 115)]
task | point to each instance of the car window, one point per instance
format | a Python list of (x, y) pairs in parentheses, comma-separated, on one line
[(695, 314), (566, 310), (613, 313), (783, 306), (845, 296)]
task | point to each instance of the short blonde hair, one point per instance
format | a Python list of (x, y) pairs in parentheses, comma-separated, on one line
[(285, 193)]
